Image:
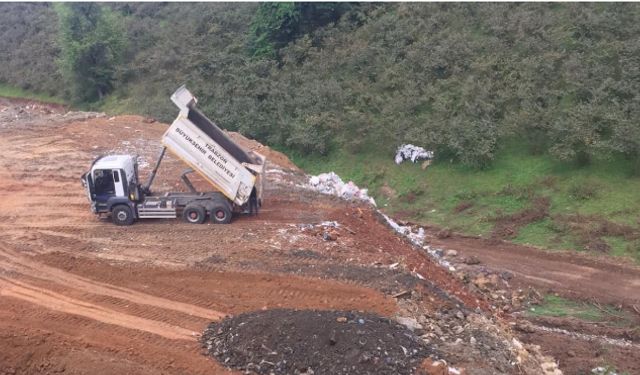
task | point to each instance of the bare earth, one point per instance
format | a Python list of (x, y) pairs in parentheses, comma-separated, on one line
[(80, 295), (575, 275)]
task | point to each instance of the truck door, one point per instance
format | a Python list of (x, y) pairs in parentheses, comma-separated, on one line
[(117, 180), (88, 184)]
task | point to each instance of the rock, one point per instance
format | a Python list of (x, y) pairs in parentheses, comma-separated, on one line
[(330, 236), (410, 323), (495, 280), (525, 326), (438, 331), (472, 260), (428, 367), (506, 275), (550, 368), (459, 330), (341, 319), (517, 344), (462, 276), (482, 282), (460, 315), (571, 353), (472, 340), (445, 233), (451, 253)]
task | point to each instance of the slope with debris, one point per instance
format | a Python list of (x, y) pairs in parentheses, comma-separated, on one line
[(78, 293)]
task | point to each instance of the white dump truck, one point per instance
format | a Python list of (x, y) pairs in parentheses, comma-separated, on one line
[(113, 187)]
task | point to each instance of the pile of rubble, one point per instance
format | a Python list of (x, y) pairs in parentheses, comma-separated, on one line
[(470, 342), (284, 341)]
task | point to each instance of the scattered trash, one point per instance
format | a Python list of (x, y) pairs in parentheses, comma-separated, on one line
[(331, 184), (413, 153)]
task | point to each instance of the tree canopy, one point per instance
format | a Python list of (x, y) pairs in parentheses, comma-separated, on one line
[(92, 42), (460, 79)]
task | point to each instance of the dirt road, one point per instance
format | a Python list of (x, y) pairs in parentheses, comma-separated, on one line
[(578, 276)]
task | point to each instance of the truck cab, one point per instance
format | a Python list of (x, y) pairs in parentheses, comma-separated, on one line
[(108, 182)]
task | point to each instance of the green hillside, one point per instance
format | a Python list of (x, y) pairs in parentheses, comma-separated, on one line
[(531, 108), (523, 198)]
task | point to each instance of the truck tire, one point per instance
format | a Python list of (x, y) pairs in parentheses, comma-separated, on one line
[(122, 215), (194, 214), (220, 214)]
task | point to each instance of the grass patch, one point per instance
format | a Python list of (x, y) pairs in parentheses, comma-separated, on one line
[(15, 92), (605, 188), (113, 105), (562, 307)]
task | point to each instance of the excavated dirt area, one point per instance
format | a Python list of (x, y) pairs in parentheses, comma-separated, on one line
[(80, 295)]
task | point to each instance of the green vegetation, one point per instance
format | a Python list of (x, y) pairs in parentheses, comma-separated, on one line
[(531, 108), (15, 92), (92, 42), (561, 307), (276, 24), (511, 185)]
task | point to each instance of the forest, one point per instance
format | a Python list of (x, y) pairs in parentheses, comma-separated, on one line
[(459, 79)]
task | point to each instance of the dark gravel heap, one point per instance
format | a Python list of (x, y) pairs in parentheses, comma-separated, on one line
[(284, 341)]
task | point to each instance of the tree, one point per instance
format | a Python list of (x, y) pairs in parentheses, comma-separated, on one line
[(276, 24), (92, 42)]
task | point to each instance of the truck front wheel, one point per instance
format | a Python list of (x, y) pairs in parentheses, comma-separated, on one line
[(221, 215), (122, 215), (194, 214)]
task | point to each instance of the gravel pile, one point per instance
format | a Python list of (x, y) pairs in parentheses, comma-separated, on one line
[(283, 341)]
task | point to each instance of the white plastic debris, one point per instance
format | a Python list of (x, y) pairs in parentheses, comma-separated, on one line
[(413, 153), (331, 184)]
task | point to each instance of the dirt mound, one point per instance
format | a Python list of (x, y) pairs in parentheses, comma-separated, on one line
[(283, 341), (273, 156)]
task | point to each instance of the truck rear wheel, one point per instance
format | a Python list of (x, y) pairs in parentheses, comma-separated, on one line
[(122, 215), (220, 214), (194, 214)]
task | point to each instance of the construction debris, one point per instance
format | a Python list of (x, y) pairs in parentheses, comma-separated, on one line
[(284, 341)]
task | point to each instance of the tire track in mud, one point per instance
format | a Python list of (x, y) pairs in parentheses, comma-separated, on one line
[(243, 290), (58, 302), (58, 335), (31, 268)]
